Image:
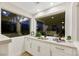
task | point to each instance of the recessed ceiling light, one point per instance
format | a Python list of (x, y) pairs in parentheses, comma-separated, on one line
[(51, 3), (62, 27), (38, 10), (24, 19), (52, 17), (62, 22), (4, 12)]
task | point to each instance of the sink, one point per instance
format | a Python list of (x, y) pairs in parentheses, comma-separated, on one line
[(56, 39), (51, 38)]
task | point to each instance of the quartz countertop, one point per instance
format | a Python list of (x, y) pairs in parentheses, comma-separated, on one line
[(73, 44), (4, 39)]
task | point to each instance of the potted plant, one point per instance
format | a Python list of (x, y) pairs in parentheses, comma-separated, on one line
[(38, 34), (69, 38)]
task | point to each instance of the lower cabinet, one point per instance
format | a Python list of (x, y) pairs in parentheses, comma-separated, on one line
[(4, 50), (59, 50), (40, 48), (28, 44), (43, 49), (36, 47), (16, 47)]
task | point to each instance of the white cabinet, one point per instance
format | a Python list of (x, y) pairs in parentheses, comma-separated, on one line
[(4, 50), (59, 50), (28, 44), (16, 47), (35, 48), (38, 47), (44, 49)]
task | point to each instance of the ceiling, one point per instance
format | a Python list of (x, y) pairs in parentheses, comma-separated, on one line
[(6, 15), (53, 19), (35, 7)]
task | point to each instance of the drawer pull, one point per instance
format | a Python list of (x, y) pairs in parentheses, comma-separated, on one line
[(50, 53), (26, 38), (38, 49), (59, 48), (30, 45)]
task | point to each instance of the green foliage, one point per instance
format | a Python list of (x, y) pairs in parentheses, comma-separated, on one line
[(68, 37), (38, 34)]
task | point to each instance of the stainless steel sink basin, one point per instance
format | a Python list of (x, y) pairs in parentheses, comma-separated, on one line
[(56, 39)]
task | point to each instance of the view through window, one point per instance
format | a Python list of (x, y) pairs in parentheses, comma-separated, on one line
[(53, 25), (13, 24)]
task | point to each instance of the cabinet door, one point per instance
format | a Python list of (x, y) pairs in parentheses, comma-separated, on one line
[(59, 50), (34, 48), (40, 48), (28, 44), (56, 50), (16, 47), (44, 49), (4, 50)]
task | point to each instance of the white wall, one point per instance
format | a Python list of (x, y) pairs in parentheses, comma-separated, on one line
[(74, 21), (0, 18), (33, 26), (77, 22), (8, 6), (70, 17)]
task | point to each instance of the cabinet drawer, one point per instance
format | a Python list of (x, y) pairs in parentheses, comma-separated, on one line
[(64, 49), (44, 49), (75, 52)]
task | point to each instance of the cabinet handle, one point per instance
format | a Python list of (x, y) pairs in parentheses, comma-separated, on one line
[(30, 45), (26, 38), (59, 48), (38, 49), (50, 53)]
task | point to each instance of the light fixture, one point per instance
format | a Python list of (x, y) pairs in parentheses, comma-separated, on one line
[(62, 22), (51, 3), (24, 19), (52, 17), (38, 10), (18, 17), (4, 12), (62, 27)]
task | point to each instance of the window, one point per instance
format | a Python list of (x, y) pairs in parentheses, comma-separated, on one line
[(13, 24), (52, 25)]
